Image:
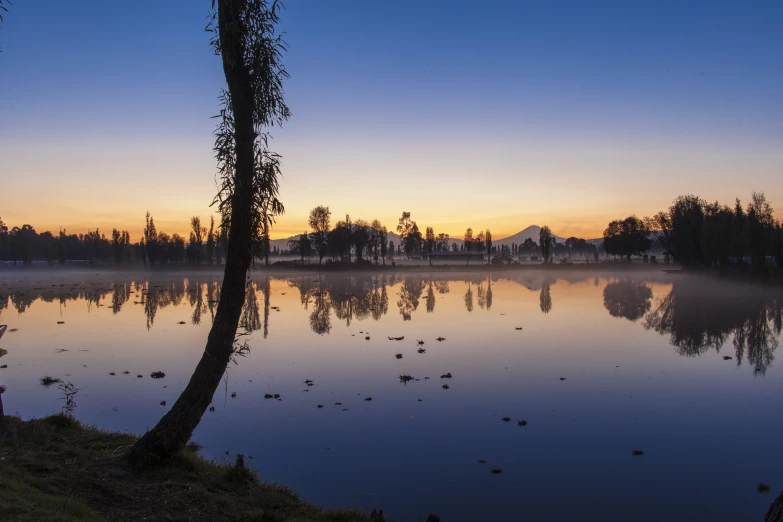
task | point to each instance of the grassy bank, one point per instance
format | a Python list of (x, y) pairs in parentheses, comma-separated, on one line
[(55, 469)]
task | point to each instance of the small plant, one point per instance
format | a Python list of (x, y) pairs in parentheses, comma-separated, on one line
[(157, 375), (69, 392), (239, 474)]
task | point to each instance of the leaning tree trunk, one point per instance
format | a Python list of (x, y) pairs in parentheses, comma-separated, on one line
[(775, 513), (176, 427)]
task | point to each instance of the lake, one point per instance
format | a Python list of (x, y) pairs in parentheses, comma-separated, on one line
[(678, 367)]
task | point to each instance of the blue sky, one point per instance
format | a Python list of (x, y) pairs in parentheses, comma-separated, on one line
[(491, 114)]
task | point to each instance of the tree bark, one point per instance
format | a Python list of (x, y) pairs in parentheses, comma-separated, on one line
[(775, 513), (176, 427)]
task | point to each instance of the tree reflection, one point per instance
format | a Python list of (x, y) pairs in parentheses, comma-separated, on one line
[(430, 298), (698, 317), (628, 299), (250, 320), (410, 293), (545, 298), (468, 299), (320, 318)]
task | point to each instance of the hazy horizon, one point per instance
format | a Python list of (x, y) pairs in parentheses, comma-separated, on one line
[(534, 118)]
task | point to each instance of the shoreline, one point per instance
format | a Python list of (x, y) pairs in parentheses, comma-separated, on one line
[(55, 468)]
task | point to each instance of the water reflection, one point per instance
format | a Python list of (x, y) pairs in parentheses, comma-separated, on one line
[(698, 317), (628, 299), (545, 298)]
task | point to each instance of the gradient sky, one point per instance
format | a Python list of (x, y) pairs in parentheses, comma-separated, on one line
[(490, 114)]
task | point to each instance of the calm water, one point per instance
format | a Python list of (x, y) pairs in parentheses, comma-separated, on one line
[(643, 363)]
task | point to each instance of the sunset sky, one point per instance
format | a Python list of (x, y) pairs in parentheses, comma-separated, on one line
[(484, 114)]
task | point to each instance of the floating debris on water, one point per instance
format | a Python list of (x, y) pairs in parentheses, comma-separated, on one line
[(162, 403), (396, 338), (506, 419), (562, 378), (182, 322), (481, 461), (727, 357), (157, 375), (521, 423), (446, 376), (762, 488), (496, 471), (112, 373), (399, 356), (309, 382), (48, 381), (233, 395), (419, 342), (211, 408), (445, 386), (405, 379), (518, 328), (422, 350), (637, 453), (60, 322), (338, 403), (368, 399), (320, 406), (126, 372), (139, 376), (440, 339)]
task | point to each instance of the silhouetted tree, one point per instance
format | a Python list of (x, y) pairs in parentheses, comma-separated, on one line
[(319, 222), (467, 242), (361, 235), (546, 241), (627, 237), (244, 35), (680, 229), (430, 235), (211, 240), (760, 230), (488, 241)]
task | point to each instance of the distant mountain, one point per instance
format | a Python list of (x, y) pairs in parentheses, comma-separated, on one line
[(533, 232)]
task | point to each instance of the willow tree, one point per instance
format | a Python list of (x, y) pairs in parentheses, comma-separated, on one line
[(244, 36)]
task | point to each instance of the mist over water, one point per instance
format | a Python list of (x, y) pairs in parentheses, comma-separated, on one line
[(683, 368)]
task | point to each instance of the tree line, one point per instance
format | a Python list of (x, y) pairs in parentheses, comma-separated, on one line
[(204, 245), (696, 233)]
